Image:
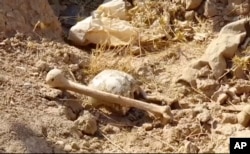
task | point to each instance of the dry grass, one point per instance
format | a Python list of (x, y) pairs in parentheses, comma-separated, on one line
[(241, 62), (101, 60), (159, 24), (164, 20)]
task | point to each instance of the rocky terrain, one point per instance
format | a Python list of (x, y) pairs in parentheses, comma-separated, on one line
[(38, 118)]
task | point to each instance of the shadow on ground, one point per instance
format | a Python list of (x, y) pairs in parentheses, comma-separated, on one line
[(34, 142)]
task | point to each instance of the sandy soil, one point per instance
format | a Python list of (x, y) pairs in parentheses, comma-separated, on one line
[(31, 113)]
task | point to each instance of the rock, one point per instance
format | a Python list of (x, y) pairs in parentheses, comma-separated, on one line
[(207, 86), (109, 129), (64, 110), (86, 123), (218, 51), (75, 146), (41, 66), (27, 85), (157, 145), (60, 143), (205, 116), (39, 20), (59, 147), (189, 15), (192, 4), (210, 9), (147, 126), (50, 93), (229, 118), (244, 116), (67, 148)]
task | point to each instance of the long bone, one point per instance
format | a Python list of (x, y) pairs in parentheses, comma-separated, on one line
[(56, 79)]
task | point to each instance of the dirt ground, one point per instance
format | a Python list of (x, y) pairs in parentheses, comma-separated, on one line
[(33, 122)]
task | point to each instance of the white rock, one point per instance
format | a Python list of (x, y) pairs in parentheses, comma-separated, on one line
[(67, 148)]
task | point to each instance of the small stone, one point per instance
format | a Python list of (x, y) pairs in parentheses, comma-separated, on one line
[(205, 116), (229, 118), (86, 123), (189, 15), (67, 148), (64, 110), (210, 9), (27, 85), (244, 116), (111, 129), (41, 66), (51, 93), (59, 142), (75, 146), (147, 126)]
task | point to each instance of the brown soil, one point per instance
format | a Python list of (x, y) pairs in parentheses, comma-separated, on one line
[(32, 122)]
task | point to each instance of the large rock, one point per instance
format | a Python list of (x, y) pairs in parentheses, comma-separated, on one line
[(24, 15), (210, 9), (218, 51)]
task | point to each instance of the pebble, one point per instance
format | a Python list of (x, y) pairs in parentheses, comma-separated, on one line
[(111, 129), (229, 118), (70, 115), (27, 85), (75, 146), (86, 123), (41, 66), (67, 148), (60, 143), (147, 126), (205, 116), (189, 15)]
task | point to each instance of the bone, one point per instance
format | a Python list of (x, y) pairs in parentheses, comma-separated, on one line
[(56, 79)]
